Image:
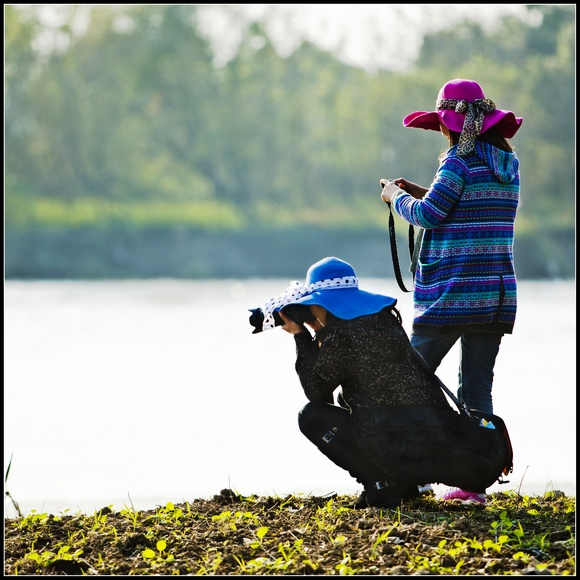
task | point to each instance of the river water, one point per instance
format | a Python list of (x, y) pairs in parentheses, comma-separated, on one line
[(121, 393)]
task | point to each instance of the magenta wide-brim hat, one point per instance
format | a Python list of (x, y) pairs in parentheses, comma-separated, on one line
[(462, 89)]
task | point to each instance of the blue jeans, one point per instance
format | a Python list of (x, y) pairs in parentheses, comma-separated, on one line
[(476, 361)]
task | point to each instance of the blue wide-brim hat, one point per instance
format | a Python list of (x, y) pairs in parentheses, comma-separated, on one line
[(331, 283)]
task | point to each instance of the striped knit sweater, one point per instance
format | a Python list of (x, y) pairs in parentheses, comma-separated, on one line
[(465, 276)]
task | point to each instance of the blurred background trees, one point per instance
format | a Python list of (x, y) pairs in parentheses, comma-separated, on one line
[(130, 153)]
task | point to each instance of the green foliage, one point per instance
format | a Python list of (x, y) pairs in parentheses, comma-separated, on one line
[(297, 535), (131, 123), (98, 213)]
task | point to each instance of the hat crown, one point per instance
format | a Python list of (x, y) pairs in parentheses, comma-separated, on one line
[(461, 90), (327, 269)]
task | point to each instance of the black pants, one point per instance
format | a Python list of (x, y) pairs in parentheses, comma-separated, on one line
[(468, 458), (329, 428)]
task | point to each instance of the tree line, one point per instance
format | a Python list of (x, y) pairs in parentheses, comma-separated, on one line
[(130, 125)]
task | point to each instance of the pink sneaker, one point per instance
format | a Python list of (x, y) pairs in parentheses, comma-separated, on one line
[(464, 496)]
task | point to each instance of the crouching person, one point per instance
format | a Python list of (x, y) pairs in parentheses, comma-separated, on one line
[(392, 428)]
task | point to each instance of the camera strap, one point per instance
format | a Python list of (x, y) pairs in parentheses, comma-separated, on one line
[(414, 246)]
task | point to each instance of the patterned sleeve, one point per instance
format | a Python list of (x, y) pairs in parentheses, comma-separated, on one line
[(439, 201), (318, 374)]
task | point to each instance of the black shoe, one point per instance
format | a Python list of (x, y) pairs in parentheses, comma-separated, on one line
[(361, 502), (389, 496)]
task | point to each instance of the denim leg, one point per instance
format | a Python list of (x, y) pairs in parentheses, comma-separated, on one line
[(434, 348), (478, 354), (476, 362)]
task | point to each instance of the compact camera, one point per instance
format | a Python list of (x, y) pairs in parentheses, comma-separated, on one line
[(391, 186), (298, 313)]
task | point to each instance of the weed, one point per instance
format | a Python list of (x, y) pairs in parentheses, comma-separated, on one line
[(301, 536), (7, 493), (160, 557)]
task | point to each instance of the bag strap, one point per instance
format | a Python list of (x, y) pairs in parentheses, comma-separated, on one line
[(394, 254), (459, 404)]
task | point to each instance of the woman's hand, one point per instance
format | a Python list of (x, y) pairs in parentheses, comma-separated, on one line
[(388, 191), (291, 326), (315, 324), (417, 191)]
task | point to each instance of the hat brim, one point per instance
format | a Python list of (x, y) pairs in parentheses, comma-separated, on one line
[(507, 122), (346, 303)]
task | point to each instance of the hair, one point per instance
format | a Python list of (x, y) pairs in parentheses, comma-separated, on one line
[(492, 136)]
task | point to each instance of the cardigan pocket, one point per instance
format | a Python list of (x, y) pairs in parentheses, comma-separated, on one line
[(500, 299), (428, 266)]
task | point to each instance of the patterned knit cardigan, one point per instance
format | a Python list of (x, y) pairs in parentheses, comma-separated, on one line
[(465, 276)]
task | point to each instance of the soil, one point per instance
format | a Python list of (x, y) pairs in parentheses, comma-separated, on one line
[(232, 534)]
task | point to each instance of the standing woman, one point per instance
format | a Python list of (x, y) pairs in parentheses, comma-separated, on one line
[(465, 281)]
